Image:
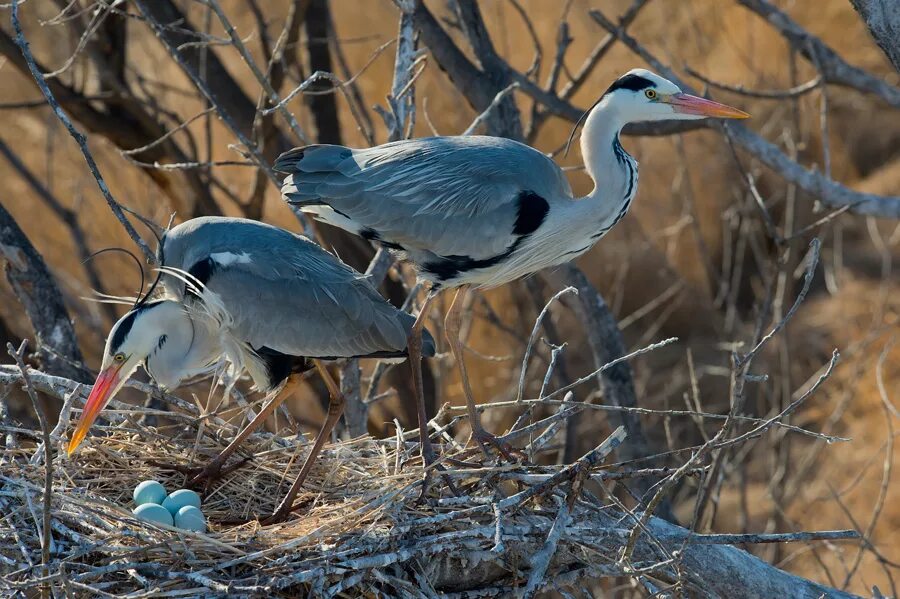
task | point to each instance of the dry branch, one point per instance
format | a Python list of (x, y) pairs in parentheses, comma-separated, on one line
[(46, 540), (79, 138), (830, 192), (831, 66), (43, 303)]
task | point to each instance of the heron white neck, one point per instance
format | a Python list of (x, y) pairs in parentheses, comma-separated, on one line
[(184, 347), (613, 171)]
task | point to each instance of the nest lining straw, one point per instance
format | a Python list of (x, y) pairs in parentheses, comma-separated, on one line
[(361, 525)]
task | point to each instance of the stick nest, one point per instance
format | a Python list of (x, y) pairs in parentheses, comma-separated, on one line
[(362, 528)]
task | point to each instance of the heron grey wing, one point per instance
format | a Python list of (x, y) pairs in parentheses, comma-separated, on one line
[(318, 310), (454, 196)]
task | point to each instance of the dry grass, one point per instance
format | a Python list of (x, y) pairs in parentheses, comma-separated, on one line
[(362, 512)]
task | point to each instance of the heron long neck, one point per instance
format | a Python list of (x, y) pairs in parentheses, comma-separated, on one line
[(613, 171)]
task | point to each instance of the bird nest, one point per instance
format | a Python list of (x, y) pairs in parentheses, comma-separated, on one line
[(362, 525)]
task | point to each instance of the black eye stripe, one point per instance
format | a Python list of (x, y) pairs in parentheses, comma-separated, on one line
[(631, 82), (121, 332)]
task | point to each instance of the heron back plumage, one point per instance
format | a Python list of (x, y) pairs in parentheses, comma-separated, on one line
[(459, 198), (283, 292)]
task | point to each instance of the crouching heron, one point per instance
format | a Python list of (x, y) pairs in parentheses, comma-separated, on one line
[(264, 300), (482, 211)]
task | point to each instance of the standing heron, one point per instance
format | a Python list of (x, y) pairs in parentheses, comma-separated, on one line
[(264, 301), (482, 211)]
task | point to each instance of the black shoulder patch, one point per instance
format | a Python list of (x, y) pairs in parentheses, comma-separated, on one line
[(632, 82), (203, 270), (279, 366), (531, 212), (369, 234)]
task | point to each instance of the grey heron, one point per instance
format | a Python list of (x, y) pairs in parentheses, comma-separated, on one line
[(482, 211), (259, 299)]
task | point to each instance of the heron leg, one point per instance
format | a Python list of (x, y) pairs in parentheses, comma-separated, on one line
[(335, 409), (414, 348), (215, 468), (452, 326)]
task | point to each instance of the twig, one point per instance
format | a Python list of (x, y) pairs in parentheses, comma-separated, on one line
[(793, 92), (533, 337), (79, 138), (832, 193), (583, 465), (609, 365), (541, 560), (46, 539), (486, 113), (778, 537)]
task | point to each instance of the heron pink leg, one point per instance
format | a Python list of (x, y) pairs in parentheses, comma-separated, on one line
[(452, 326), (335, 409), (214, 469), (414, 347)]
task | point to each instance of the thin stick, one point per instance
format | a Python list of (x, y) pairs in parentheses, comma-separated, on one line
[(778, 537), (533, 337), (79, 137), (483, 117), (17, 355)]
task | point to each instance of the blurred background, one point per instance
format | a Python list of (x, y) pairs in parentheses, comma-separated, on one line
[(691, 260)]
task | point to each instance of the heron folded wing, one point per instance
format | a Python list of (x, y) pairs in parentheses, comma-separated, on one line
[(452, 196)]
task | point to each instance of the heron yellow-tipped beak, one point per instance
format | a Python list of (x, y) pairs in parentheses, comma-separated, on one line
[(688, 104), (106, 385)]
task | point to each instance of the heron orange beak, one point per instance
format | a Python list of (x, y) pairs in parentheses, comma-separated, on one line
[(104, 388), (688, 104)]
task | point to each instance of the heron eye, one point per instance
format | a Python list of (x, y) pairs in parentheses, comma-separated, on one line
[(650, 93), (119, 357)]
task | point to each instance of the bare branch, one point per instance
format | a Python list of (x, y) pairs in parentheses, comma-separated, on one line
[(830, 65), (79, 138), (794, 92), (831, 193), (260, 77), (487, 112), (46, 539), (42, 300)]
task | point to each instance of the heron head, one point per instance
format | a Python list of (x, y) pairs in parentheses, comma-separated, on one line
[(137, 335), (640, 95)]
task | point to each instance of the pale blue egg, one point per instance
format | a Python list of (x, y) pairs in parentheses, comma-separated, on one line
[(190, 518), (179, 499), (153, 512), (149, 491)]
